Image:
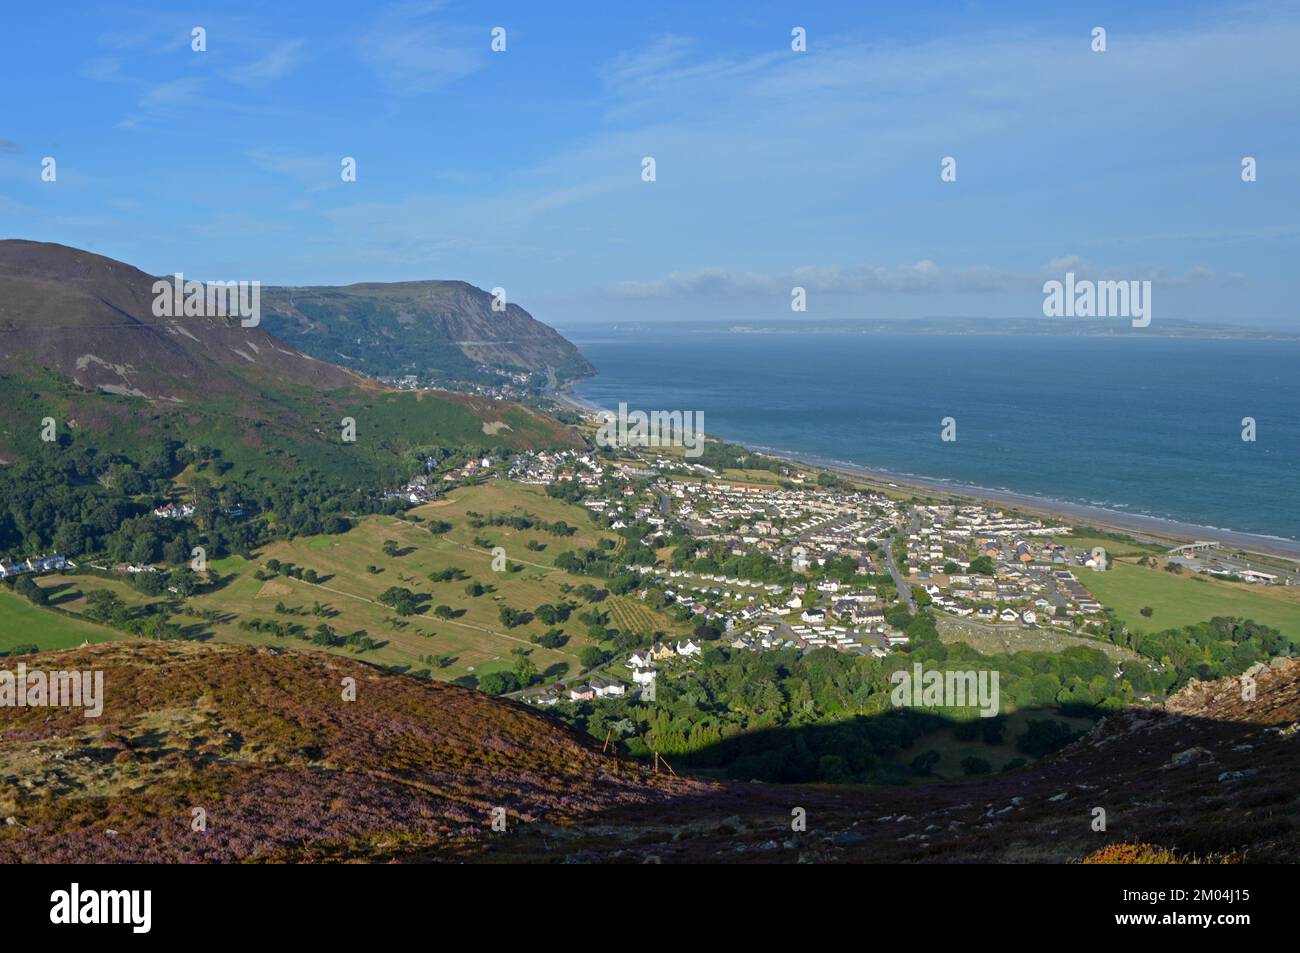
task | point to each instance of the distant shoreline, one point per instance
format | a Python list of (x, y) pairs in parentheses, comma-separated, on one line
[(1158, 528), (960, 327)]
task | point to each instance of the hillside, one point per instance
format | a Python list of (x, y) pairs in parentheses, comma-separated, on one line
[(470, 643), (79, 343), (417, 327), (286, 770), (90, 319)]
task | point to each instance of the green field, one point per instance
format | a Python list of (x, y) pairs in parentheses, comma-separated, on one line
[(22, 623), (1180, 600)]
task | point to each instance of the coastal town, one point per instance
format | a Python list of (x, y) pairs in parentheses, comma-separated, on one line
[(831, 564)]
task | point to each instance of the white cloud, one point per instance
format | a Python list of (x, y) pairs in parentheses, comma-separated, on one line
[(413, 53), (279, 61)]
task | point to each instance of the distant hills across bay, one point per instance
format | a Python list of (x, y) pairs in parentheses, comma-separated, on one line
[(1094, 327)]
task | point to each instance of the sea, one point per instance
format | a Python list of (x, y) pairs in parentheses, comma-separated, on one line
[(1133, 424)]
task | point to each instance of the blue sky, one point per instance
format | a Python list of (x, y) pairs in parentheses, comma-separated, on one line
[(774, 168)]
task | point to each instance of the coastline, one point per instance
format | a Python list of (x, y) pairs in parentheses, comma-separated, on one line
[(1152, 528)]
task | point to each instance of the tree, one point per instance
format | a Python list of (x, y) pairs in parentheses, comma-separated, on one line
[(974, 765), (102, 605), (390, 547), (26, 586), (403, 601), (551, 639), (965, 731), (590, 656), (498, 683), (1043, 737), (525, 671), (993, 729), (184, 581), (924, 763), (325, 636)]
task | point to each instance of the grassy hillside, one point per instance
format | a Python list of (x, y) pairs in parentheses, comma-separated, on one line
[(304, 432), (469, 645)]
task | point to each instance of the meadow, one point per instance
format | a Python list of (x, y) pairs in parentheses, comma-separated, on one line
[(22, 623), (1185, 599)]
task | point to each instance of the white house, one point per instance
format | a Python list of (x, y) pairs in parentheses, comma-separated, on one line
[(604, 689), (640, 660), (52, 563)]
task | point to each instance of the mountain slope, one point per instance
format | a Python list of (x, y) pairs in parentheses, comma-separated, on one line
[(90, 319), (286, 770), (283, 766), (417, 327), (79, 343)]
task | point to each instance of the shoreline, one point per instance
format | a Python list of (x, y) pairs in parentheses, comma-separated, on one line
[(1154, 528)]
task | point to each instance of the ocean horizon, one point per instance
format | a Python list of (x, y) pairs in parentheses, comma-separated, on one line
[(1141, 426)]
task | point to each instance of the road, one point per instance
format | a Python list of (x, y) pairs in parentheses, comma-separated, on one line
[(904, 587)]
